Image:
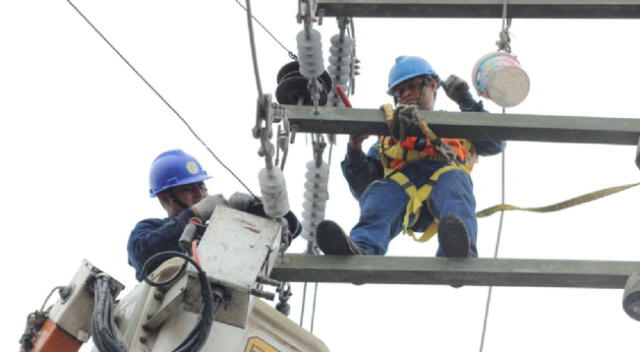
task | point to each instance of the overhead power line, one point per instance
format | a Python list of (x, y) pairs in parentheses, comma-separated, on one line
[(291, 54), (161, 97)]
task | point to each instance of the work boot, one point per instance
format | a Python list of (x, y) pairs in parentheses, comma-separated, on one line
[(453, 237), (333, 241)]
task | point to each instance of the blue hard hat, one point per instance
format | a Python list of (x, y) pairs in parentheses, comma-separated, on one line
[(174, 168), (407, 67)]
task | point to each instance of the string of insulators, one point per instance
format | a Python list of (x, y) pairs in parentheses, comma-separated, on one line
[(275, 199), (315, 198), (310, 53), (339, 65)]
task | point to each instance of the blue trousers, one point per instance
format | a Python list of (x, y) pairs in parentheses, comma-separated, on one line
[(383, 205)]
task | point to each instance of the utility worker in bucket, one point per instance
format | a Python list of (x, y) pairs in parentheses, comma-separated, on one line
[(177, 180), (412, 184)]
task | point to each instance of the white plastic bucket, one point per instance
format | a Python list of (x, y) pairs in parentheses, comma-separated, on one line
[(499, 77)]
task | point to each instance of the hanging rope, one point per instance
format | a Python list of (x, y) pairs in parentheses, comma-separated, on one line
[(504, 43), (497, 247), (193, 132)]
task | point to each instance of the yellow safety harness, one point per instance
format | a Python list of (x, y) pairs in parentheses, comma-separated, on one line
[(418, 196)]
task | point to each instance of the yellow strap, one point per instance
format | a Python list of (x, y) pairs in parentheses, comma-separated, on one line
[(397, 152), (561, 205), (417, 197), (424, 127), (388, 111)]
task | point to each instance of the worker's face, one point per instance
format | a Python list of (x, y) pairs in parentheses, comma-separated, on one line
[(191, 194), (408, 93), (188, 195)]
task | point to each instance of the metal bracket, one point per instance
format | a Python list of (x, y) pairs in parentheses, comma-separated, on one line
[(264, 131), (171, 300), (319, 146), (73, 313), (235, 249), (307, 10)]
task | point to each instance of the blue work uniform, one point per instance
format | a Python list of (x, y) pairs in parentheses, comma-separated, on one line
[(152, 236), (383, 202)]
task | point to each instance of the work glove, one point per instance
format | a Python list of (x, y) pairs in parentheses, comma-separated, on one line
[(405, 118), (205, 207), (458, 90), (241, 201)]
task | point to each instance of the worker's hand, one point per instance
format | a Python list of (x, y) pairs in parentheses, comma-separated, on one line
[(241, 201), (406, 113), (405, 117), (457, 89), (205, 207), (355, 141)]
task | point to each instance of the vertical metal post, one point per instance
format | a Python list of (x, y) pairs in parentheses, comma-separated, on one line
[(638, 154)]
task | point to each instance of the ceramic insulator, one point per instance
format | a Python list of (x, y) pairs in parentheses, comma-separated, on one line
[(339, 65), (315, 198), (275, 200), (310, 54)]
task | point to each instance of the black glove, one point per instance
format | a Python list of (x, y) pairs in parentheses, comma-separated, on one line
[(204, 208), (241, 201), (458, 90), (404, 119)]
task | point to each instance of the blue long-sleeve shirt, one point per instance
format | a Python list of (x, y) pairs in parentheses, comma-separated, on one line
[(152, 236), (360, 170)]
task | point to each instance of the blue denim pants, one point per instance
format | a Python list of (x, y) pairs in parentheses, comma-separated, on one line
[(383, 205)]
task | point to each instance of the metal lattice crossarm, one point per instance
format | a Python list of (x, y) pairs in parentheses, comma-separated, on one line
[(481, 8), (464, 271), (474, 125)]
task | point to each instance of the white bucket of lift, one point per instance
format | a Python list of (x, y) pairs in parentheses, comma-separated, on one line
[(499, 77)]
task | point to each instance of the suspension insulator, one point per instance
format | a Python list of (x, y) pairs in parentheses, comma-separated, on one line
[(315, 198), (339, 65), (310, 53), (293, 87), (340, 59), (275, 200)]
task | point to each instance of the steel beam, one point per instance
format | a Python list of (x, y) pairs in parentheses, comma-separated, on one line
[(482, 8), (460, 271), (474, 125)]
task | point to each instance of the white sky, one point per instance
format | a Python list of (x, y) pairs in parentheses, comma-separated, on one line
[(79, 131)]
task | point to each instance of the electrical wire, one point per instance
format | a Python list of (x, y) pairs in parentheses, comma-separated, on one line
[(497, 247), (103, 327), (211, 303), (35, 320), (289, 52), (313, 307), (254, 55), (193, 132), (304, 302), (57, 288)]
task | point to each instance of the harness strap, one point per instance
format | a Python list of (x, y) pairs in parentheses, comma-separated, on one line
[(418, 197)]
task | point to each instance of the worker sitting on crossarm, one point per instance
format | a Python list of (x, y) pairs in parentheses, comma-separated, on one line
[(177, 180), (414, 184)]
